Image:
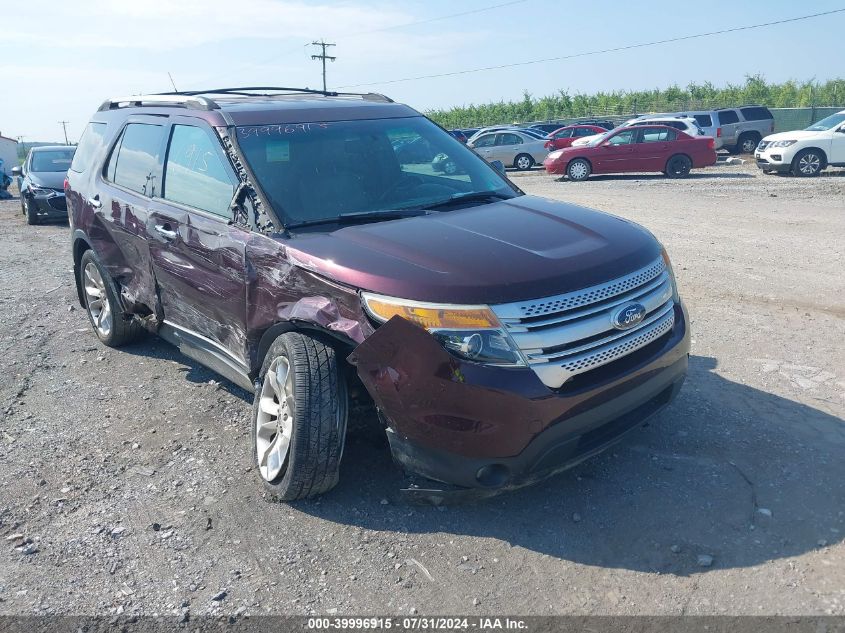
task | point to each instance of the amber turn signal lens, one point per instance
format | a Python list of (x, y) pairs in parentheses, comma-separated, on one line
[(432, 316)]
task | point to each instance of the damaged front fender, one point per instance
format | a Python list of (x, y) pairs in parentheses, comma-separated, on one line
[(436, 400)]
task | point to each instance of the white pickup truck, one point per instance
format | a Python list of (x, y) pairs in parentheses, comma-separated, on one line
[(804, 152)]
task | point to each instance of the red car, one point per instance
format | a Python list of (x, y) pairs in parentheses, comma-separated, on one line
[(564, 136), (634, 149)]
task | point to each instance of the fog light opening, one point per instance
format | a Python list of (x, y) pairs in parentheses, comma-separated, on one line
[(493, 475)]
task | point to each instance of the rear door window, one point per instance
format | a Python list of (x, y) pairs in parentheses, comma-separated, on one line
[(195, 174), (565, 134), (658, 135), (134, 160), (756, 114), (703, 120), (89, 146), (508, 139), (726, 117)]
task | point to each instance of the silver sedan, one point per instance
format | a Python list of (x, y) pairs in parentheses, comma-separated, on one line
[(513, 148)]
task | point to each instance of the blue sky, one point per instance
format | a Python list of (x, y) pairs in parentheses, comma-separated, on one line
[(92, 49)]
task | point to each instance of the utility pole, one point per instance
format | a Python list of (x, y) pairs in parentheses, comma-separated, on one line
[(323, 57), (64, 127)]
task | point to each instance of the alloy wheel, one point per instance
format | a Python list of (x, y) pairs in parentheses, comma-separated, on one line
[(523, 162), (274, 422), (809, 164), (97, 300)]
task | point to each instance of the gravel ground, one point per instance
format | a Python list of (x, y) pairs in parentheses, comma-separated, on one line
[(126, 484)]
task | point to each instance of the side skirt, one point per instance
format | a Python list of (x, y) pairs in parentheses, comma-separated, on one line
[(208, 353)]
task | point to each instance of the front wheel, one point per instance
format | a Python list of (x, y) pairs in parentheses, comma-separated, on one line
[(30, 211), (523, 162), (807, 163), (579, 169), (678, 166), (299, 418)]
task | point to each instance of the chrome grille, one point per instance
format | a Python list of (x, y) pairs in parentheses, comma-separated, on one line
[(569, 334)]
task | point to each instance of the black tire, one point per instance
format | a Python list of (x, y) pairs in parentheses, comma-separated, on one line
[(747, 143), (808, 163), (678, 166), (124, 329), (579, 169), (523, 162), (29, 212), (312, 465)]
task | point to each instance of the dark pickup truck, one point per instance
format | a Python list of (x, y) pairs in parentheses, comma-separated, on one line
[(277, 236)]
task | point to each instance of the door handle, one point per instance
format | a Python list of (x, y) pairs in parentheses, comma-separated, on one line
[(165, 231), (95, 201)]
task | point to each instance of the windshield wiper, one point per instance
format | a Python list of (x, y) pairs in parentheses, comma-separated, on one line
[(360, 216), (471, 196)]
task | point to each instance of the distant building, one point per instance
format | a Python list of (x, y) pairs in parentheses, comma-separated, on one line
[(9, 153)]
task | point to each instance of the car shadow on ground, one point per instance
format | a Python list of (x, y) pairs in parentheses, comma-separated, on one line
[(692, 176), (150, 346), (727, 471)]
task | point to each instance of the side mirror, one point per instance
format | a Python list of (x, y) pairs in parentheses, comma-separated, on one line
[(841, 130), (499, 166), (17, 171)]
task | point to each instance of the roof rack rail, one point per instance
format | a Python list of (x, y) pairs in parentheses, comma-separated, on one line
[(270, 91), (195, 102)]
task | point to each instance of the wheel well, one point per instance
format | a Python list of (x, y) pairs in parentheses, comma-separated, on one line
[(687, 156), (817, 149), (750, 133), (79, 247), (586, 160), (342, 346)]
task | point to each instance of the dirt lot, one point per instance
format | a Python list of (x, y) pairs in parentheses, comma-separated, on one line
[(128, 472)]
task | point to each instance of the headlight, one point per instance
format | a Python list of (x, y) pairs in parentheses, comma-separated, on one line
[(469, 332), (782, 143), (675, 297), (40, 191)]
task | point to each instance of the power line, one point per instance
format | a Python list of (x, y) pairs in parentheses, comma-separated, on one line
[(437, 18), (323, 57), (379, 30), (597, 52)]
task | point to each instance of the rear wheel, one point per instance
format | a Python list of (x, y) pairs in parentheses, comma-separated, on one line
[(523, 162), (747, 143), (299, 418), (678, 166), (808, 163), (110, 325), (579, 169)]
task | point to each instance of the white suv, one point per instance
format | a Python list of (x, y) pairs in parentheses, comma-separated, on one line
[(805, 152)]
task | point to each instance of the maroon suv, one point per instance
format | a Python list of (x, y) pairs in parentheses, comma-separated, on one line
[(277, 237)]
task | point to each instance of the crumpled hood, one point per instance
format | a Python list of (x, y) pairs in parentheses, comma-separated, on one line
[(797, 135), (510, 250), (50, 179)]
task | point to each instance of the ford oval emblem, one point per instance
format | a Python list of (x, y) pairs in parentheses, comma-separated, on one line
[(628, 316)]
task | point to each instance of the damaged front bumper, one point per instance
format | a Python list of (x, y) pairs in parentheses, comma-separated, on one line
[(490, 429)]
